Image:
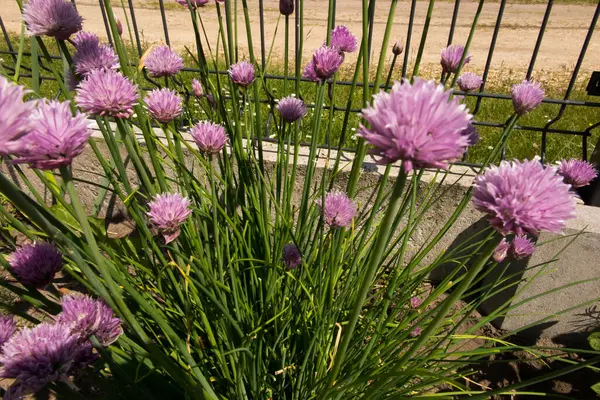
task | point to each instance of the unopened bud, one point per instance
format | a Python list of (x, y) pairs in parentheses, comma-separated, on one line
[(286, 7), (197, 88), (119, 27), (398, 47)]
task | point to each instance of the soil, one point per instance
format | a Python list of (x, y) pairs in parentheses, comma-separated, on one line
[(560, 48)]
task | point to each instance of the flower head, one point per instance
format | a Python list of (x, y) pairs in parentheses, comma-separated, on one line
[(417, 123), (286, 7), (398, 47), (197, 88), (521, 247), (472, 135), (577, 173), (327, 61), (168, 211), (415, 302), (291, 109), (526, 96), (291, 256), (309, 72), (87, 316), (501, 251), (242, 73), (162, 61), (56, 138), (164, 104), (107, 93), (88, 58), (343, 40), (84, 39), (7, 329), (36, 264), (469, 81), (451, 56), (416, 331), (14, 116), (194, 3), (210, 137), (523, 197), (338, 211), (56, 18)]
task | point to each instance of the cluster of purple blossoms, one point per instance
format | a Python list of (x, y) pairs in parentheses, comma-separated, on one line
[(210, 137), (87, 316), (524, 197), (242, 73), (162, 61), (469, 81), (197, 88), (168, 212), (338, 210), (91, 55), (291, 109), (324, 64), (7, 329), (472, 135), (519, 248), (343, 40), (577, 173), (415, 302), (35, 265), (164, 105), (57, 137), (84, 39), (291, 256), (526, 96), (417, 123), (193, 3), (55, 18), (107, 93), (14, 116), (451, 56)]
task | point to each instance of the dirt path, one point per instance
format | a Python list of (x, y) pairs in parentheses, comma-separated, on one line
[(562, 42)]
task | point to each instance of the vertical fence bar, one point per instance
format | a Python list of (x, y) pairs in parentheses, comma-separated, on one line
[(584, 47), (261, 11), (411, 20), (106, 24), (453, 23), (163, 16), (7, 40), (538, 42), (135, 27)]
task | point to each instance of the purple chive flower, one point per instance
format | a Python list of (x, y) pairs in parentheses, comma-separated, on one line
[(472, 135), (197, 88), (415, 302), (36, 264), (416, 331), (14, 116), (291, 256), (469, 81), (501, 251), (451, 56), (417, 123), (291, 109), (327, 61), (310, 73), (521, 247), (164, 104), (87, 316), (286, 7), (56, 18), (168, 211), (339, 210), (242, 73), (84, 39), (107, 93), (7, 329), (343, 40), (56, 138), (194, 3), (210, 137), (88, 58), (577, 173), (162, 61), (526, 96), (524, 197), (36, 356)]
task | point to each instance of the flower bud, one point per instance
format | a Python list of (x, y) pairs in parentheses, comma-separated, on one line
[(286, 7), (398, 47)]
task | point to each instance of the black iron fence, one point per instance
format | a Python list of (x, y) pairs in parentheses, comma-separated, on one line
[(549, 128)]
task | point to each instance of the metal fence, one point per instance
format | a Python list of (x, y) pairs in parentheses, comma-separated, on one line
[(545, 130)]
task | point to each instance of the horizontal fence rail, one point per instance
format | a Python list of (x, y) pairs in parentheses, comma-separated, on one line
[(545, 130)]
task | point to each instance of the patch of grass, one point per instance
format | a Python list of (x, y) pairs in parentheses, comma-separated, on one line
[(522, 144)]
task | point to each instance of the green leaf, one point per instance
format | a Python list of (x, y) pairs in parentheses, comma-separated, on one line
[(596, 388), (594, 340)]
